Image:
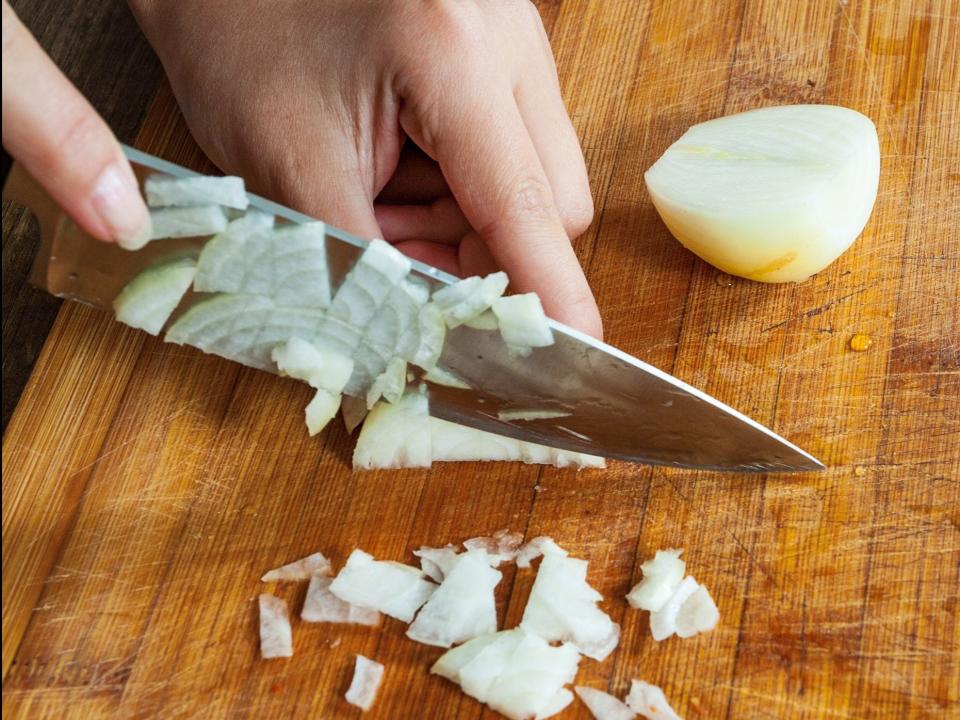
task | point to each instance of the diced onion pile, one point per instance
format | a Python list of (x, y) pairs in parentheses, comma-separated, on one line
[(523, 672), (267, 302)]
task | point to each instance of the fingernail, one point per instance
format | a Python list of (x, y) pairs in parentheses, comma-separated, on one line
[(117, 200)]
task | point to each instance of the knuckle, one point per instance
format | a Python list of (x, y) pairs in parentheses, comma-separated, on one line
[(530, 196), (456, 27)]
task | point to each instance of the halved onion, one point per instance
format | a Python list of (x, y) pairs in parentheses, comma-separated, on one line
[(775, 194)]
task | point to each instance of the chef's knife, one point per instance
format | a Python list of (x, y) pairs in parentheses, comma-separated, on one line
[(604, 401)]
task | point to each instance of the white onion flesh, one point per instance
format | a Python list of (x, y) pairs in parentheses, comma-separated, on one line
[(467, 299), (463, 607), (650, 702), (389, 384), (150, 298), (663, 623), (433, 332), (538, 546), (604, 706), (304, 361), (395, 435), (437, 562), (276, 637), (563, 607), (522, 321), (164, 191), (367, 676), (440, 376), (392, 588), (662, 576), (251, 257), (176, 222), (322, 606), (302, 569), (484, 321), (501, 547), (320, 410), (515, 673), (698, 614), (522, 414), (773, 195)]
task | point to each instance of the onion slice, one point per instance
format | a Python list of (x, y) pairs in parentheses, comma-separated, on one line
[(276, 637), (661, 578), (522, 322), (775, 194), (321, 605), (563, 607), (437, 562), (176, 222), (650, 702), (392, 588), (467, 299), (367, 676), (302, 569), (150, 298), (604, 706), (463, 607), (229, 191)]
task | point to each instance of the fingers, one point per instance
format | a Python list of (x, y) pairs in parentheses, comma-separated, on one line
[(439, 255), (61, 141), (482, 144), (416, 180), (441, 221), (545, 116)]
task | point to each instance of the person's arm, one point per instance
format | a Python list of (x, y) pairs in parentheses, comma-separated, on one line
[(62, 142), (314, 103)]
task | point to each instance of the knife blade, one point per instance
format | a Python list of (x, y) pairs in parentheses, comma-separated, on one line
[(602, 400)]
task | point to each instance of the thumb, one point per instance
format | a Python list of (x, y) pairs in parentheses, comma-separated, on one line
[(61, 141)]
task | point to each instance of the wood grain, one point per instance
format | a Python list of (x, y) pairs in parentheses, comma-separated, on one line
[(146, 487)]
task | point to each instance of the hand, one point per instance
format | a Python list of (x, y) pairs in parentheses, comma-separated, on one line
[(62, 142), (313, 104)]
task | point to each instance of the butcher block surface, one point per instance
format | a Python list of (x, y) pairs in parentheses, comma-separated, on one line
[(146, 487)]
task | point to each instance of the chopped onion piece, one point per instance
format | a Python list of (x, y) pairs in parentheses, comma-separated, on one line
[(367, 675), (440, 376), (453, 442), (541, 545), (468, 298), (302, 360), (661, 578), (520, 414), (321, 605), (515, 673), (432, 334), (484, 321), (178, 222), (437, 562), (321, 410), (562, 606), (650, 702), (223, 261), (604, 706), (164, 191), (774, 194), (395, 435), (390, 384), (502, 547), (302, 569), (663, 623), (276, 637), (392, 588), (150, 298), (522, 321), (379, 269), (698, 614), (243, 328), (463, 607)]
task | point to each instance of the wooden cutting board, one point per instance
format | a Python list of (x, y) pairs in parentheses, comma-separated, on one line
[(146, 487)]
